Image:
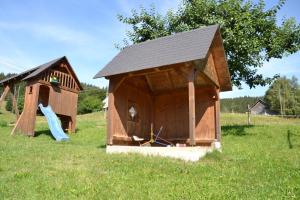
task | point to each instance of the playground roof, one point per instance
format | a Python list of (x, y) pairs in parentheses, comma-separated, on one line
[(177, 48), (34, 72)]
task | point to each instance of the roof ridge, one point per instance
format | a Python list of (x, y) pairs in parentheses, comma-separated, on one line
[(172, 35)]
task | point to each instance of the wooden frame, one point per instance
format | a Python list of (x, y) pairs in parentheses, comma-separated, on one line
[(157, 106), (182, 96), (61, 97)]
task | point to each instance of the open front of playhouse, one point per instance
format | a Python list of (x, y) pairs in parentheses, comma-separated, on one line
[(163, 96)]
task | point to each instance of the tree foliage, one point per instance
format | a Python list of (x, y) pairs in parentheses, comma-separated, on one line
[(250, 32), (90, 99), (20, 94), (283, 96)]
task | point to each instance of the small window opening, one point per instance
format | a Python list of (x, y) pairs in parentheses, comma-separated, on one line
[(30, 90)]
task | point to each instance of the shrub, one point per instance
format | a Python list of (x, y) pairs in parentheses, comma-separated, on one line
[(3, 123)]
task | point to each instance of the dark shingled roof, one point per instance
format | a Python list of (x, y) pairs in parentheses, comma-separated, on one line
[(18, 76), (258, 101), (177, 48), (42, 68), (31, 73)]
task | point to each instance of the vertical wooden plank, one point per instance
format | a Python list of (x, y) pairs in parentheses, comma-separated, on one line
[(26, 122), (73, 83), (110, 114), (152, 101), (14, 99), (4, 94), (48, 76), (62, 79), (217, 117), (69, 82), (191, 89)]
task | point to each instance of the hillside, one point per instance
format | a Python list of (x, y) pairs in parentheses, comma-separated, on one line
[(238, 104)]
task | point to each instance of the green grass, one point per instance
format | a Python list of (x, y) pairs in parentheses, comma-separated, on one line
[(256, 163)]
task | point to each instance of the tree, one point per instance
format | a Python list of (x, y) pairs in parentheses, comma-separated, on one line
[(8, 105), (2, 76), (283, 96), (90, 99), (250, 32)]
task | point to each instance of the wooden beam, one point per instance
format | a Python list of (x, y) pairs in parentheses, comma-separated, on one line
[(141, 73), (110, 113), (146, 91), (171, 80), (149, 83), (4, 94), (17, 124), (205, 77), (191, 92), (118, 82), (217, 117), (14, 102)]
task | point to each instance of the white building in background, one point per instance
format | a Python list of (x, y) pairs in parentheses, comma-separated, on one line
[(105, 104)]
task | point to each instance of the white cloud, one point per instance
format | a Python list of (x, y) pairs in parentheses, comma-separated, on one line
[(54, 32), (287, 66), (8, 65)]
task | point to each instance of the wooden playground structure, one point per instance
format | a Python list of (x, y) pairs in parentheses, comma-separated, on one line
[(54, 83), (173, 82)]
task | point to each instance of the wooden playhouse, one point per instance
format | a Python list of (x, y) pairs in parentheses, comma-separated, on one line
[(171, 82), (53, 83)]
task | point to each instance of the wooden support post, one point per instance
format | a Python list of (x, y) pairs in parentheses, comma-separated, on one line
[(14, 101), (110, 113), (191, 89), (249, 112), (217, 117), (152, 99), (149, 83), (4, 94), (17, 124)]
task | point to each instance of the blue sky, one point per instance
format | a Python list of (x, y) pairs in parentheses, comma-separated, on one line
[(33, 32)]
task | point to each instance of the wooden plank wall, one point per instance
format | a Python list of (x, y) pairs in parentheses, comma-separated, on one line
[(123, 127), (171, 112), (63, 102), (26, 122), (205, 114), (4, 94)]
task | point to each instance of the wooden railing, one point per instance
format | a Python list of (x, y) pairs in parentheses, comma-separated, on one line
[(65, 80)]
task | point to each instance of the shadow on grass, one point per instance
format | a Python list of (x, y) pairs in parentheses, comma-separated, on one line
[(102, 146), (44, 132), (292, 138), (236, 130)]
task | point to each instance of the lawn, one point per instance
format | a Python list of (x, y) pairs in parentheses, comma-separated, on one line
[(257, 162)]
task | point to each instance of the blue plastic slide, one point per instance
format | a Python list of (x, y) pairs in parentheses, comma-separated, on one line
[(54, 123)]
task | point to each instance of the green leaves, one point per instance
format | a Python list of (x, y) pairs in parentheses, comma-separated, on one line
[(283, 96), (90, 99), (249, 30)]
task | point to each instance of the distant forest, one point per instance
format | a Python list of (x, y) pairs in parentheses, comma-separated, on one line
[(237, 105)]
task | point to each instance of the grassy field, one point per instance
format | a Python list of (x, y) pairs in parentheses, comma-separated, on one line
[(257, 162)]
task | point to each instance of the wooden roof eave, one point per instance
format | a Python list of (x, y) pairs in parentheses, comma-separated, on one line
[(221, 64)]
